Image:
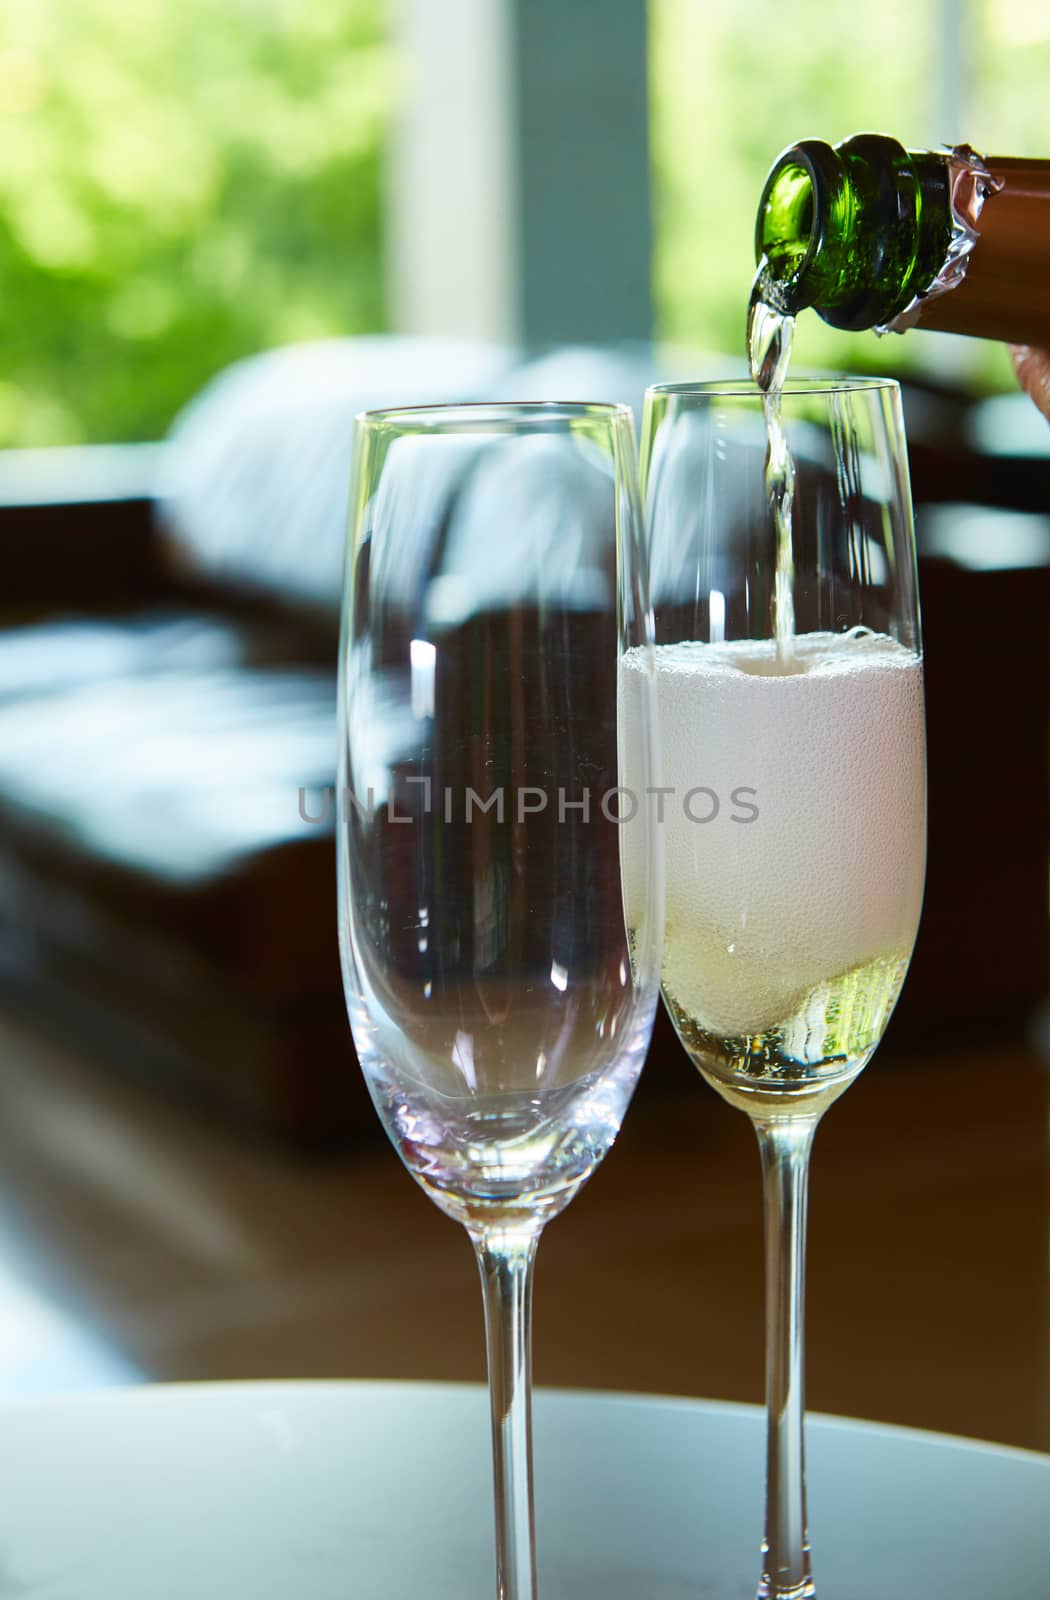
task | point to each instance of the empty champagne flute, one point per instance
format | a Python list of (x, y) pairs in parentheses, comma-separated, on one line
[(501, 982), (789, 690)]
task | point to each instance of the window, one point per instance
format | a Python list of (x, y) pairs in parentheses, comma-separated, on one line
[(179, 184)]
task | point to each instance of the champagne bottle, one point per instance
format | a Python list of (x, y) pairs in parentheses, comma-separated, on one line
[(872, 235)]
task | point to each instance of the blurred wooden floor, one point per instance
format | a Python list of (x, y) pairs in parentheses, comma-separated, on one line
[(135, 1242)]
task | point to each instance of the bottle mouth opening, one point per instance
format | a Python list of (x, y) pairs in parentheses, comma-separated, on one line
[(797, 199), (787, 213)]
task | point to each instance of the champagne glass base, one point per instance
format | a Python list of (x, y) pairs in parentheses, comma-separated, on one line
[(767, 1590)]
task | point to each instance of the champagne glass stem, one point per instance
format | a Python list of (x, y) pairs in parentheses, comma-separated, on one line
[(506, 1261), (785, 1148)]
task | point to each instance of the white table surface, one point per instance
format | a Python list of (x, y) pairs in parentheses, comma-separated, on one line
[(381, 1491)]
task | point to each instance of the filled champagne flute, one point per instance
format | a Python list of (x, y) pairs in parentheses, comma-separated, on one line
[(501, 980), (790, 697)]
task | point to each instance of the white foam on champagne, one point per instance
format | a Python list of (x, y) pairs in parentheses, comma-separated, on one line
[(829, 874)]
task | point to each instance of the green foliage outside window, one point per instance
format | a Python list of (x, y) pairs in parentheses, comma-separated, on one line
[(180, 183), (184, 183)]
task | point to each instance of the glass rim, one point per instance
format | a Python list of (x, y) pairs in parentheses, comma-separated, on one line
[(747, 388), (464, 414)]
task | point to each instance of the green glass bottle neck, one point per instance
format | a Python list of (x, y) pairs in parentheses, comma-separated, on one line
[(855, 230)]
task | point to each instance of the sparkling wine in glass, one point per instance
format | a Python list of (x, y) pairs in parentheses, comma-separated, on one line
[(501, 977), (795, 828)]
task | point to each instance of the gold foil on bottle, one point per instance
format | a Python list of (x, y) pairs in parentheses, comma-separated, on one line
[(969, 185)]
